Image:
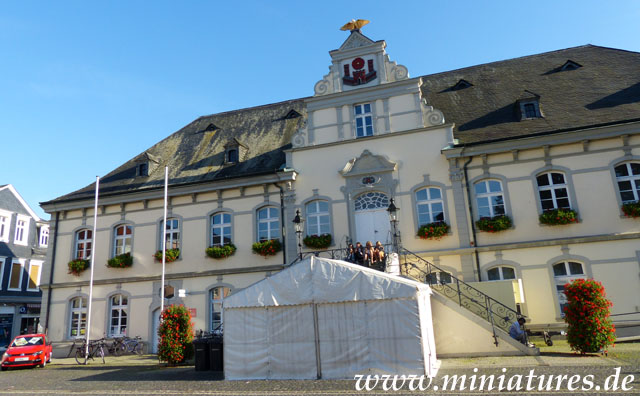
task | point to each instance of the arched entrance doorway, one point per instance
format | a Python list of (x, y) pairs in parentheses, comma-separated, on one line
[(372, 219)]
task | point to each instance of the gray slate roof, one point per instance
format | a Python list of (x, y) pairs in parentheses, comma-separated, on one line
[(606, 89)]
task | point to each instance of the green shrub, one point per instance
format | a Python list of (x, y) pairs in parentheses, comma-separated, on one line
[(494, 224), (220, 252), (170, 256), (77, 266), (587, 315), (317, 241), (559, 217), (433, 230), (267, 248), (121, 261), (175, 335)]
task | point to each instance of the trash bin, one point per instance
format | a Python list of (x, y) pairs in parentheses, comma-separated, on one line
[(215, 354), (201, 352)]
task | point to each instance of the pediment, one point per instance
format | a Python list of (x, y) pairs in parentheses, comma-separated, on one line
[(356, 40), (367, 163)]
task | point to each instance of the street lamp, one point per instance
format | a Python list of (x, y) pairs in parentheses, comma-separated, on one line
[(393, 217), (297, 221)]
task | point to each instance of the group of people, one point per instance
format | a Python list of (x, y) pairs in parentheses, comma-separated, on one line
[(368, 255)]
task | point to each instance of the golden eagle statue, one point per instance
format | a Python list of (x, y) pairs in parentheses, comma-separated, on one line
[(354, 25)]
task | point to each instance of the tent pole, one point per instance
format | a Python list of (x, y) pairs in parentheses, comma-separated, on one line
[(317, 337)]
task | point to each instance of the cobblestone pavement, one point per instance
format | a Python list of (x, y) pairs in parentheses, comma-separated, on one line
[(143, 376)]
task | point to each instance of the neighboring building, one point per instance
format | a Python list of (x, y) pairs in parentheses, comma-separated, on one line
[(24, 238), (559, 130)]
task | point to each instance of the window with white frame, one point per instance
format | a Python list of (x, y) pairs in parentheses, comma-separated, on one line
[(17, 271), (77, 317), (43, 240), (35, 270), (22, 230), (5, 225), (123, 239), (83, 245), (318, 220), (364, 120), (268, 224), (501, 273), (118, 317), (438, 277), (553, 191), (2, 261), (628, 178), (220, 229), (217, 296), (429, 205), (489, 198), (565, 272), (172, 233)]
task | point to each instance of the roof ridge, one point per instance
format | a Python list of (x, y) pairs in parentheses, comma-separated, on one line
[(249, 108)]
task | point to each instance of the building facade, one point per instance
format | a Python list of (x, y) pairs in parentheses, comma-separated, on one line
[(24, 238), (516, 146)]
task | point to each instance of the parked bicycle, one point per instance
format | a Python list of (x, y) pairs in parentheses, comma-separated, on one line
[(96, 350), (124, 345)]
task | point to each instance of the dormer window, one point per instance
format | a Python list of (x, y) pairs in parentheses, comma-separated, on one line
[(570, 65), (143, 169), (462, 84), (291, 115), (211, 127), (529, 106), (232, 155)]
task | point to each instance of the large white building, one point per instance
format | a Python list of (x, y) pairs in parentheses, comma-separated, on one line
[(509, 144)]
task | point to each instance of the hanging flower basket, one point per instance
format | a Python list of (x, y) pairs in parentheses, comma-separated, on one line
[(170, 256), (494, 224), (559, 217), (317, 241), (121, 261), (76, 267), (631, 209), (433, 230), (267, 248), (220, 252)]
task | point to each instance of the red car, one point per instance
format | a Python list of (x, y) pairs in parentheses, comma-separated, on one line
[(27, 350)]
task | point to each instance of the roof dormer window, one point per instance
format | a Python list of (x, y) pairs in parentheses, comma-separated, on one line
[(529, 110), (143, 169), (570, 65), (234, 151), (145, 164), (232, 155), (462, 84)]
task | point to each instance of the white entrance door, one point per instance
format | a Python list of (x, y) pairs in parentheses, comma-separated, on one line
[(154, 338), (372, 219)]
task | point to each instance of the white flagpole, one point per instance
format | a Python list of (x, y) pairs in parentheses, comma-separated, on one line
[(93, 259), (164, 238)]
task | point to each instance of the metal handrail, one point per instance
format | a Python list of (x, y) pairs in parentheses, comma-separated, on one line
[(487, 307), (340, 253)]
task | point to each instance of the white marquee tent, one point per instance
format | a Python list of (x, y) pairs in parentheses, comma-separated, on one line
[(324, 318)]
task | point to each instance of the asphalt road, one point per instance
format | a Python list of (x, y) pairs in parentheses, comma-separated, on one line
[(151, 379)]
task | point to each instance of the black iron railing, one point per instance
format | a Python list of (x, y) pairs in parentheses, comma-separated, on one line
[(343, 254), (467, 296)]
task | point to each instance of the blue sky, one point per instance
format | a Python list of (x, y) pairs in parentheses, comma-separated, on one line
[(86, 86)]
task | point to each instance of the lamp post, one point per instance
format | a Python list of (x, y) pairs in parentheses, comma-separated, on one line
[(393, 217), (297, 221)]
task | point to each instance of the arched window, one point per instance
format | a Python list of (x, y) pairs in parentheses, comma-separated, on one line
[(318, 220), (123, 239), (268, 224), (220, 229), (429, 205), (438, 278), (564, 272), (78, 317), (216, 298), (83, 244), (371, 201), (553, 191), (501, 273), (118, 318), (628, 178), (489, 198), (172, 233)]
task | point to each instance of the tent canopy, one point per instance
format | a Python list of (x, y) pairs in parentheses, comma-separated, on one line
[(324, 318), (319, 280)]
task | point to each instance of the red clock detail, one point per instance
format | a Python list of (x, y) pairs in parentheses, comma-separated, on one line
[(358, 63)]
